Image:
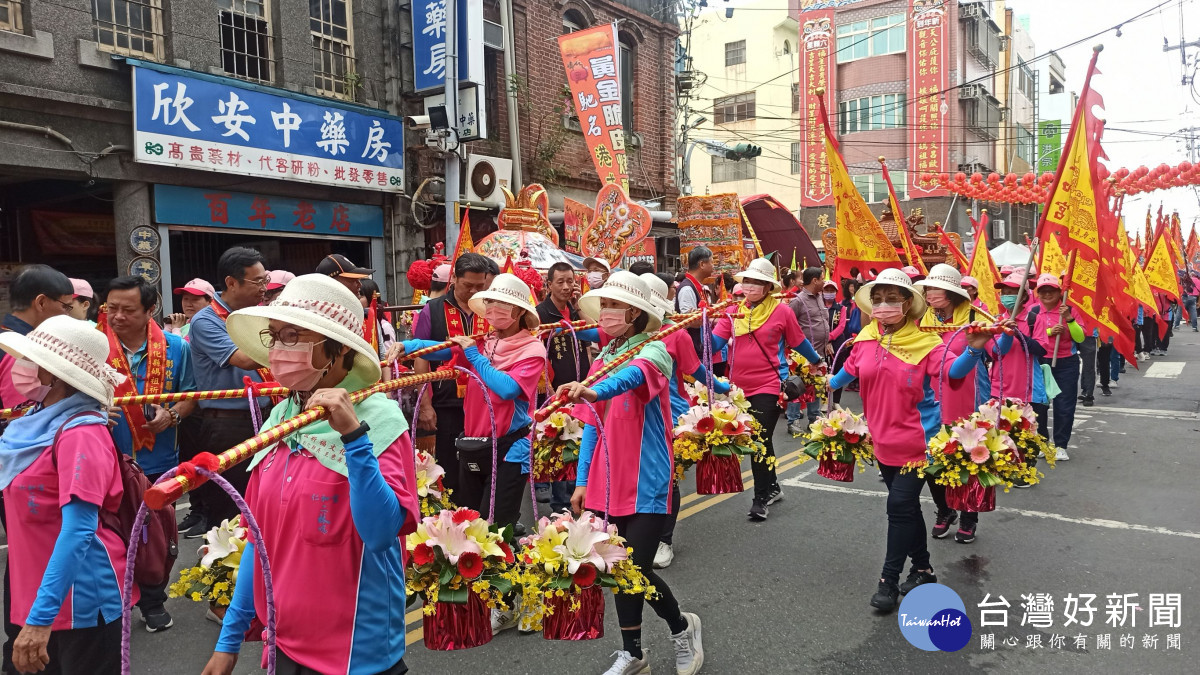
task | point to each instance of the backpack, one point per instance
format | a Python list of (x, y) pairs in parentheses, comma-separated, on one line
[(159, 538)]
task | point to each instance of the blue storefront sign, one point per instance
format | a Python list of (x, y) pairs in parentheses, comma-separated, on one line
[(175, 205), (429, 43), (211, 123)]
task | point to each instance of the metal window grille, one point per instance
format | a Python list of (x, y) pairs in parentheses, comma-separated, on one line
[(10, 16), (333, 48), (246, 39), (130, 27), (797, 160), (734, 108), (735, 52), (795, 97)]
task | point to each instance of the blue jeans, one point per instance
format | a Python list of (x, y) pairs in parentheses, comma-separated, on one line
[(1189, 303), (813, 410), (1066, 374), (906, 526), (560, 495)]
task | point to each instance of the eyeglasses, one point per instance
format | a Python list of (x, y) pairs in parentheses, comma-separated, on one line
[(67, 306), (287, 337), (260, 282)]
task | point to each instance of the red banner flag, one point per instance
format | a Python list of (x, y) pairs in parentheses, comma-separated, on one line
[(593, 66)]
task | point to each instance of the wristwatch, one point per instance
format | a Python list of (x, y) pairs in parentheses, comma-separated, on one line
[(357, 433), (174, 417)]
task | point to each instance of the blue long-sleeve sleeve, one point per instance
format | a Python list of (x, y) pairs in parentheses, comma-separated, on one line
[(965, 363), (79, 521), (498, 381), (841, 379), (240, 612), (718, 342), (625, 379), (1003, 344), (589, 335), (701, 375), (587, 446), (807, 351), (373, 504), (411, 346)]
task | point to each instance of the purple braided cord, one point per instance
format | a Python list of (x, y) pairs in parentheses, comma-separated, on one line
[(259, 548), (832, 365), (607, 459), (533, 429), (706, 357), (255, 411), (495, 441)]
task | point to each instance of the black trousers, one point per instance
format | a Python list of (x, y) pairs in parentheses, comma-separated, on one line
[(765, 409), (219, 431), (906, 536), (642, 532), (451, 421), (1104, 363), (938, 492), (475, 487), (80, 651), (668, 534), (152, 597), (284, 665), (191, 443)]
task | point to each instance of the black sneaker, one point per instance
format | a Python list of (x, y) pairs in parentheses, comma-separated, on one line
[(194, 526), (157, 619), (1022, 483), (941, 527), (1089, 402), (758, 510), (774, 495), (965, 534), (915, 579), (886, 598), (1105, 391)]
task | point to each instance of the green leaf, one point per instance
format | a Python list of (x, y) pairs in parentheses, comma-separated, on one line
[(560, 583), (606, 580), (722, 450), (964, 476), (446, 575), (456, 595), (502, 585), (813, 449)]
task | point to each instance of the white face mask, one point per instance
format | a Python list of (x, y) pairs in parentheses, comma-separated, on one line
[(595, 279)]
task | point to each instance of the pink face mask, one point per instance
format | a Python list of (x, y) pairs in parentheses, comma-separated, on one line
[(937, 299), (292, 366), (754, 292), (499, 315), (26, 381), (612, 322), (887, 312)]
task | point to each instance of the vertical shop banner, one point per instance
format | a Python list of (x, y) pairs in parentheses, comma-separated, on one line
[(928, 77), (429, 43), (1049, 148), (593, 74), (816, 72), (576, 216), (220, 124)]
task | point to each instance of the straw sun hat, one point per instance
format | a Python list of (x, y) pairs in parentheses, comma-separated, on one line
[(507, 288), (760, 269), (658, 293), (72, 350), (946, 278), (314, 302), (623, 287), (892, 277)]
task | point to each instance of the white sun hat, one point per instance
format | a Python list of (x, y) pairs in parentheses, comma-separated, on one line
[(762, 270), (507, 288), (314, 302), (623, 287), (891, 277), (658, 293), (599, 261), (72, 350), (946, 278)]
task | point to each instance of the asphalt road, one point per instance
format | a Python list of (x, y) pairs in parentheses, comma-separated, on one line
[(790, 595)]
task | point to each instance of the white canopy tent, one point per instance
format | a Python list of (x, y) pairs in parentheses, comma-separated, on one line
[(1009, 253)]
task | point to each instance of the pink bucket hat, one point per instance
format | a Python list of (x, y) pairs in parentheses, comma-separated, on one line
[(1013, 280)]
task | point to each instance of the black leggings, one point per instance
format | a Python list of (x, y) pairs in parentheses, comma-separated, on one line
[(668, 535), (642, 532), (906, 536), (939, 498), (475, 488), (765, 409)]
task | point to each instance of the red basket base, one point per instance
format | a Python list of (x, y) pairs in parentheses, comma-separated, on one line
[(971, 497), (586, 623), (458, 626), (719, 475), (835, 470)]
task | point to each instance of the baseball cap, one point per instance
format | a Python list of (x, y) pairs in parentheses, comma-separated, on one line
[(198, 287), (1048, 280), (441, 273), (970, 281), (278, 279), (338, 265), (81, 288), (1013, 280)]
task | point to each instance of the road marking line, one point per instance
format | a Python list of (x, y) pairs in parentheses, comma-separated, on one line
[(1148, 412), (1165, 369), (1095, 522)]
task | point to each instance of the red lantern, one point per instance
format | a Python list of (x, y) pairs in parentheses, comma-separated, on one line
[(993, 178), (960, 177), (1185, 166), (1141, 171), (1102, 172)]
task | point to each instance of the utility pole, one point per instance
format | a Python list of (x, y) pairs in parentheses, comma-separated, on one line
[(1185, 79), (453, 164)]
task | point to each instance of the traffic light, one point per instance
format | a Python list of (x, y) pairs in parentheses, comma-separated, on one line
[(740, 151)]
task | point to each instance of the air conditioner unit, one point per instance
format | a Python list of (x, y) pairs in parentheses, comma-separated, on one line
[(999, 229), (485, 176), (975, 167), (493, 35), (970, 91)]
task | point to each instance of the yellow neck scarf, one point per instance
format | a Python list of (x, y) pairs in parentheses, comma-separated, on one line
[(962, 316), (752, 319), (908, 344)]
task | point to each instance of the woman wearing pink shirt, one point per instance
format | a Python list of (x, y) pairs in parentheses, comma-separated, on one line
[(759, 339), (626, 473), (62, 487), (334, 500), (897, 367)]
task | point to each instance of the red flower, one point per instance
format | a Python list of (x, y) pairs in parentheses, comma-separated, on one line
[(732, 428), (951, 448), (464, 515), (422, 554), (551, 432), (508, 554), (585, 576), (1004, 425), (470, 565), (983, 424), (706, 425), (1025, 424), (852, 438)]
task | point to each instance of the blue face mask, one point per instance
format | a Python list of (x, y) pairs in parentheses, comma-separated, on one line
[(1009, 301)]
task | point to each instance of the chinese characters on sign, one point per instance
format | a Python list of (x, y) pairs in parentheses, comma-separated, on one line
[(928, 78), (174, 205), (1049, 145), (223, 126), (576, 216), (429, 43), (816, 71), (592, 62), (1120, 614)]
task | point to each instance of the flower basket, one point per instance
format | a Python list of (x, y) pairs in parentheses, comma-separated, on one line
[(715, 435), (556, 448), (838, 441), (432, 494), (213, 580), (816, 383), (578, 615), (458, 625), (972, 497), (981, 451), (719, 475), (836, 470)]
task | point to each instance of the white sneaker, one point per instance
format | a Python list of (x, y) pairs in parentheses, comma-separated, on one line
[(503, 620), (212, 616), (1061, 455), (664, 556), (627, 665), (689, 651)]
